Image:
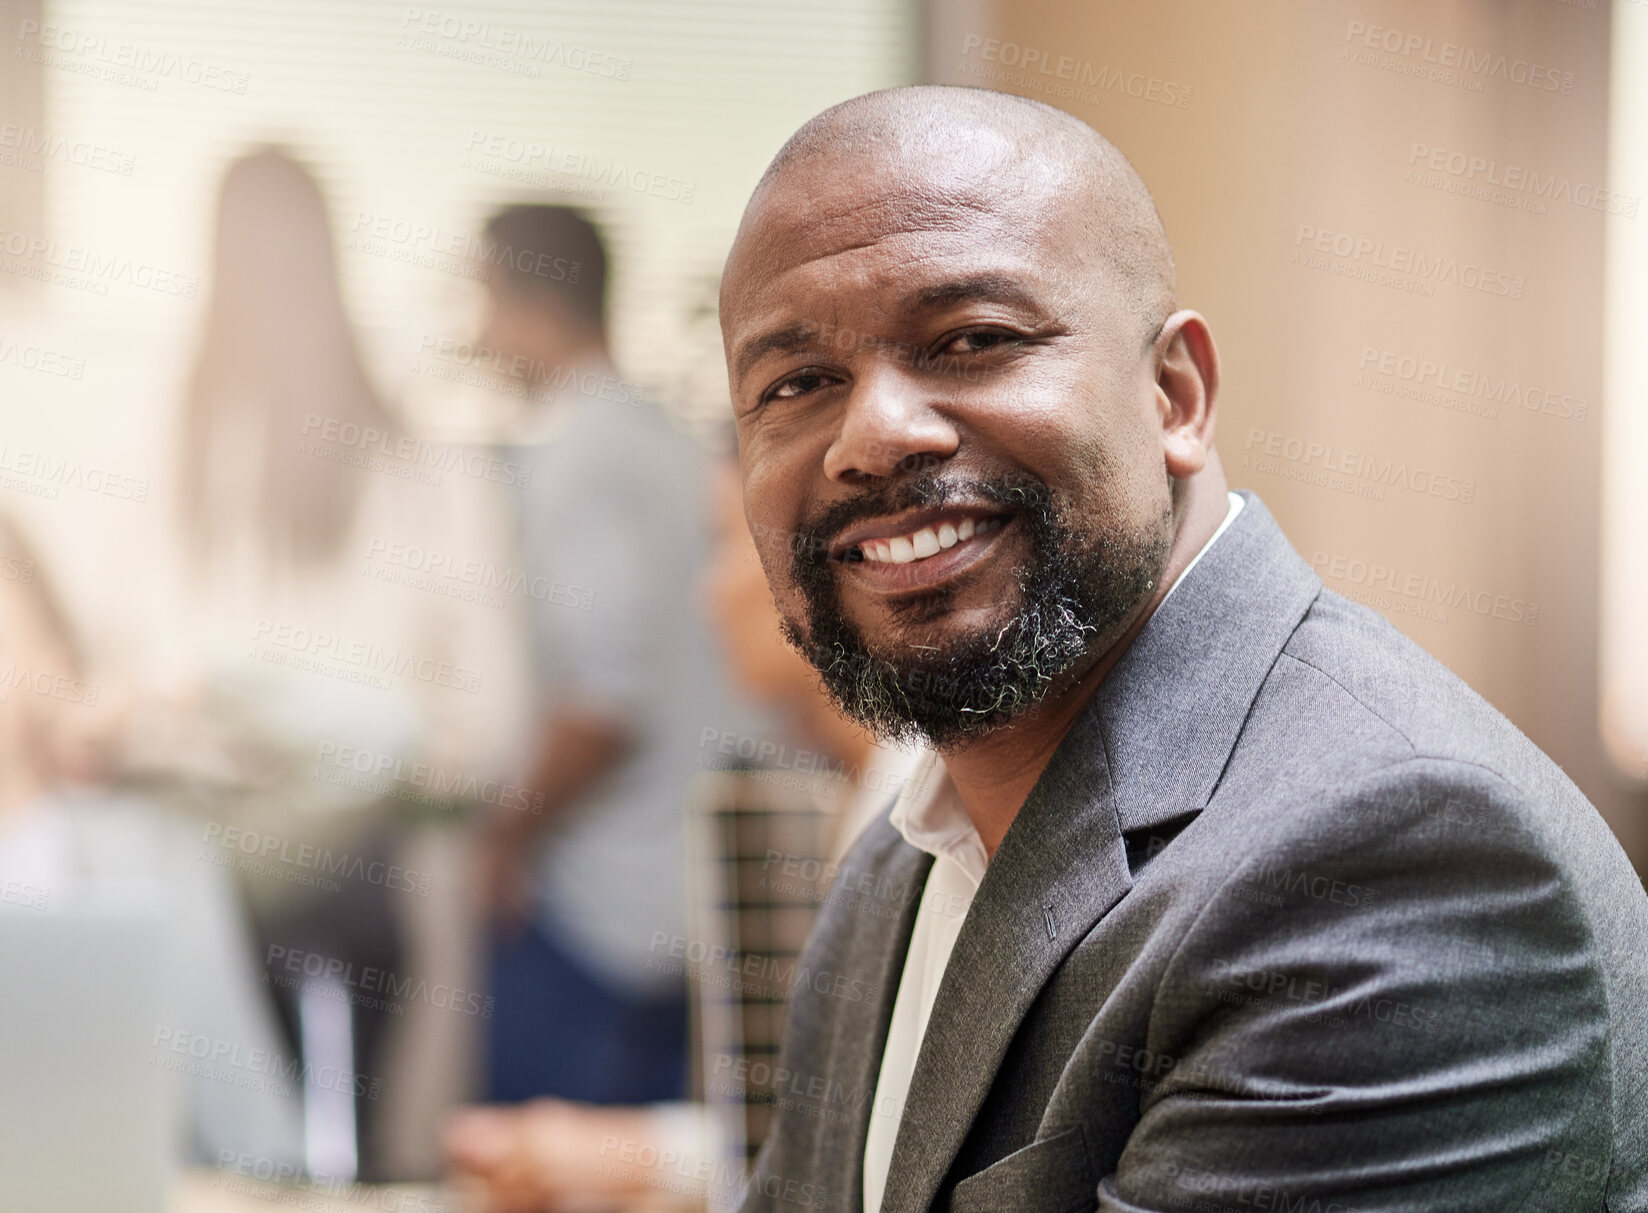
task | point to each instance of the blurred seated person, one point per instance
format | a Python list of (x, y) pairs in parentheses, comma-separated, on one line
[(72, 841), (769, 669), (551, 1155)]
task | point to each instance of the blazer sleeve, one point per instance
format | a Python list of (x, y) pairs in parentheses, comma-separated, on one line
[(1394, 1002)]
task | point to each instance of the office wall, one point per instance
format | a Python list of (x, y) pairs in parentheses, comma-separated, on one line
[(22, 156), (1392, 214)]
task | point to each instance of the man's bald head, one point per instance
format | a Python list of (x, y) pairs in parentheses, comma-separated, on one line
[(1030, 142)]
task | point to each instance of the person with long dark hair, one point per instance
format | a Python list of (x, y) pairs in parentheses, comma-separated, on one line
[(276, 348), (288, 504)]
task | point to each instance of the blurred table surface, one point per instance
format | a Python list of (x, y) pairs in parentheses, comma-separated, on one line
[(209, 1191), (224, 1192)]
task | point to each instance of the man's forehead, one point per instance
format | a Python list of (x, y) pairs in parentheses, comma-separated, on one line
[(858, 193), (893, 240), (894, 263)]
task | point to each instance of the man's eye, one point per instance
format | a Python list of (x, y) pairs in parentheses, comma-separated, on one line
[(977, 342), (798, 385)]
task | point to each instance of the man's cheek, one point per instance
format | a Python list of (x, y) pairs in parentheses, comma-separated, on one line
[(778, 570), (794, 613), (776, 562)]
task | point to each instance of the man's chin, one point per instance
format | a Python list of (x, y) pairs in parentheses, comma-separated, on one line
[(940, 690)]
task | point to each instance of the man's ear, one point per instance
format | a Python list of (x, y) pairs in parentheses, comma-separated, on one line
[(1187, 392)]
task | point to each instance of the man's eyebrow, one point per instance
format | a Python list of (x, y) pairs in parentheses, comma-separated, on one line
[(980, 288), (791, 337)]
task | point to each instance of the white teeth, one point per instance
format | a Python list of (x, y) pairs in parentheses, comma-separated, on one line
[(926, 542)]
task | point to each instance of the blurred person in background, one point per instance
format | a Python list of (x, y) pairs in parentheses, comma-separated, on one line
[(276, 347), (70, 839), (613, 522), (552, 1154), (289, 484)]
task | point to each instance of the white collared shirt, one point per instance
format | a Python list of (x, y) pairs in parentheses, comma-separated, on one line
[(930, 816)]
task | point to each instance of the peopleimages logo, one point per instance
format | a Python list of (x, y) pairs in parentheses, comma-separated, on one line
[(1420, 55), (1406, 268), (15, 568), (393, 775), (44, 475), (309, 647), (1474, 174), (367, 446), (689, 1174), (46, 683), (119, 61), (1299, 459), (81, 267), (539, 163), (1061, 74), (546, 376), (771, 754), (1279, 986), (41, 360), (1435, 382), (245, 1174), (1366, 580), (244, 1066), (463, 253), (30, 897), (28, 149), (295, 968), (272, 849), (502, 47), (751, 972)]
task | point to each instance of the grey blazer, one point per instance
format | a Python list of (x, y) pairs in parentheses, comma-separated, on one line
[(1293, 920)]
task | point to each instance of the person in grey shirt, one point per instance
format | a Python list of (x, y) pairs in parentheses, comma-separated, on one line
[(1216, 892), (587, 884)]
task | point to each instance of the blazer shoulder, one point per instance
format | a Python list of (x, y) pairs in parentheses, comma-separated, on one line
[(1425, 709), (1397, 908)]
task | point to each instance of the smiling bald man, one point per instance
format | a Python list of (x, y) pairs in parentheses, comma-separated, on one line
[(1212, 891)]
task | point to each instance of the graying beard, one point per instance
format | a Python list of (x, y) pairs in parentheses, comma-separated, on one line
[(1026, 655), (978, 686)]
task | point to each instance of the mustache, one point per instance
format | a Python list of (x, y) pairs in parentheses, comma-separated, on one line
[(1015, 491)]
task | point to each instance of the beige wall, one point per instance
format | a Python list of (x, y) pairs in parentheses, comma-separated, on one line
[(22, 176), (1254, 121)]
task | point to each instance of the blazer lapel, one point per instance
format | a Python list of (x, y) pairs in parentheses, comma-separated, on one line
[(1060, 868), (863, 931)]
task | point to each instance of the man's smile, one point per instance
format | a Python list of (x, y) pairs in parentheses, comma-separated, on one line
[(918, 549)]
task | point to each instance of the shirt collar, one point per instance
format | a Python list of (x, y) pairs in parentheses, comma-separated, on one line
[(1234, 508), (928, 813)]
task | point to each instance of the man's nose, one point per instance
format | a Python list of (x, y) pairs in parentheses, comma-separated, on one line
[(889, 423)]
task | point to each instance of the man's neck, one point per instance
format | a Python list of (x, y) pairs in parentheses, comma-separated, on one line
[(994, 775)]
